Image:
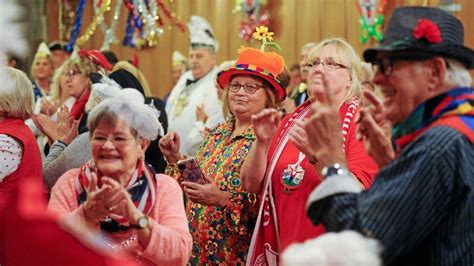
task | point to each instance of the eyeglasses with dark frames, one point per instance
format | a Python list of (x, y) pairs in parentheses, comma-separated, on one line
[(385, 64), (248, 87), (328, 64)]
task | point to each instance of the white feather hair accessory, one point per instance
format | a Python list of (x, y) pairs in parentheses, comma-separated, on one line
[(129, 105), (347, 248)]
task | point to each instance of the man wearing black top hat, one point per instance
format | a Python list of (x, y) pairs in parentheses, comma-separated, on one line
[(421, 204), (59, 53)]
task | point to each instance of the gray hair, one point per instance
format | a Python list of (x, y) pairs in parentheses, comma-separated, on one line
[(456, 74), (16, 93), (139, 117), (308, 46)]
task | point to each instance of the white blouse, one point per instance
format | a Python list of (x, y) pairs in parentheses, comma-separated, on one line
[(10, 155)]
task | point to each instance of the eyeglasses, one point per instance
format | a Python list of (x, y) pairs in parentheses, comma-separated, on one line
[(385, 64), (327, 65), (248, 88), (116, 140), (72, 73)]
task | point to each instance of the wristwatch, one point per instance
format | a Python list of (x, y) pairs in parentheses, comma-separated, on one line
[(141, 223), (333, 170)]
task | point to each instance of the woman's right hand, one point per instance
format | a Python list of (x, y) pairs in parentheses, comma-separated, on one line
[(66, 126), (265, 124), (169, 145), (48, 107)]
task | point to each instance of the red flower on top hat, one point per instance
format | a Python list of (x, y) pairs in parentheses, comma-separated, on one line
[(427, 29)]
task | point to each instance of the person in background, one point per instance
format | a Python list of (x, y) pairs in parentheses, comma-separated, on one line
[(19, 154), (135, 72), (42, 71), (295, 78), (287, 105), (421, 204), (58, 53), (116, 192), (281, 167), (221, 213), (14, 61), (204, 123), (111, 57), (196, 86), (301, 93), (178, 67)]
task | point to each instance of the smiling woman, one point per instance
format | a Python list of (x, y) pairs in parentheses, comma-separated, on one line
[(119, 193), (221, 213)]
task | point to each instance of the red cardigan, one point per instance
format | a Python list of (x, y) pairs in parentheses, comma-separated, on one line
[(30, 164)]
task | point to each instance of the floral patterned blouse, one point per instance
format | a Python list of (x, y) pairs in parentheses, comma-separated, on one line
[(222, 235)]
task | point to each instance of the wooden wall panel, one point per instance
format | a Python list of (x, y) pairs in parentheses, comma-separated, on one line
[(295, 23)]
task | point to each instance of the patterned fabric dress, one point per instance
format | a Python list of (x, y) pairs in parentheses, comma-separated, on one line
[(222, 235)]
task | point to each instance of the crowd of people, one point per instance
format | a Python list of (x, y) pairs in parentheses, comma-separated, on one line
[(251, 162)]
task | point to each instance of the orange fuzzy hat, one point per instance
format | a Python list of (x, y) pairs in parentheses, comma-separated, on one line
[(267, 65)]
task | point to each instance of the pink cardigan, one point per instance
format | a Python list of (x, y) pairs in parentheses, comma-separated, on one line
[(170, 242)]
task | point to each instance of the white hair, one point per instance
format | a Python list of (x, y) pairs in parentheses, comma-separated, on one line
[(347, 248), (307, 46), (457, 74), (141, 117), (16, 93)]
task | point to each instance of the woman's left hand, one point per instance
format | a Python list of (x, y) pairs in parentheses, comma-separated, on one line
[(45, 125), (119, 201), (207, 194)]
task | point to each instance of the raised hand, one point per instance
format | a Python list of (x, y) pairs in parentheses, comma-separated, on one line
[(207, 194), (376, 131), (201, 114), (94, 207), (300, 139), (48, 107), (169, 145), (46, 125), (265, 124), (323, 129), (66, 126)]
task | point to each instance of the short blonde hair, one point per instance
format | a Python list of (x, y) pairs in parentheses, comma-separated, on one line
[(84, 65), (346, 55), (269, 92), (16, 93)]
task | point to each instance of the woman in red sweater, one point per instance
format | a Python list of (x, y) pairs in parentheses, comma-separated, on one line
[(280, 166)]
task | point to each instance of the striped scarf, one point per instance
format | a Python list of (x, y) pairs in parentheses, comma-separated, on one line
[(141, 188), (454, 109)]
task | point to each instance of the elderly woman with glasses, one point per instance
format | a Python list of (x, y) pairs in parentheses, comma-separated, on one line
[(118, 193), (221, 213), (280, 165)]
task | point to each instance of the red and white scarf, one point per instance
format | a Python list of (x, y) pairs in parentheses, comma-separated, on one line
[(141, 187)]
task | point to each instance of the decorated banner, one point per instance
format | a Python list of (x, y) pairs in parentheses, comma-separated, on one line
[(255, 17), (371, 19)]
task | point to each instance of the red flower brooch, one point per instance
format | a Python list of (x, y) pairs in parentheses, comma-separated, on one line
[(427, 29)]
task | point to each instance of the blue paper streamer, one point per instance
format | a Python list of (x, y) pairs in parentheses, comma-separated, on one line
[(77, 26)]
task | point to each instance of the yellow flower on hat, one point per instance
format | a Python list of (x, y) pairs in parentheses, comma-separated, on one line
[(262, 33)]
